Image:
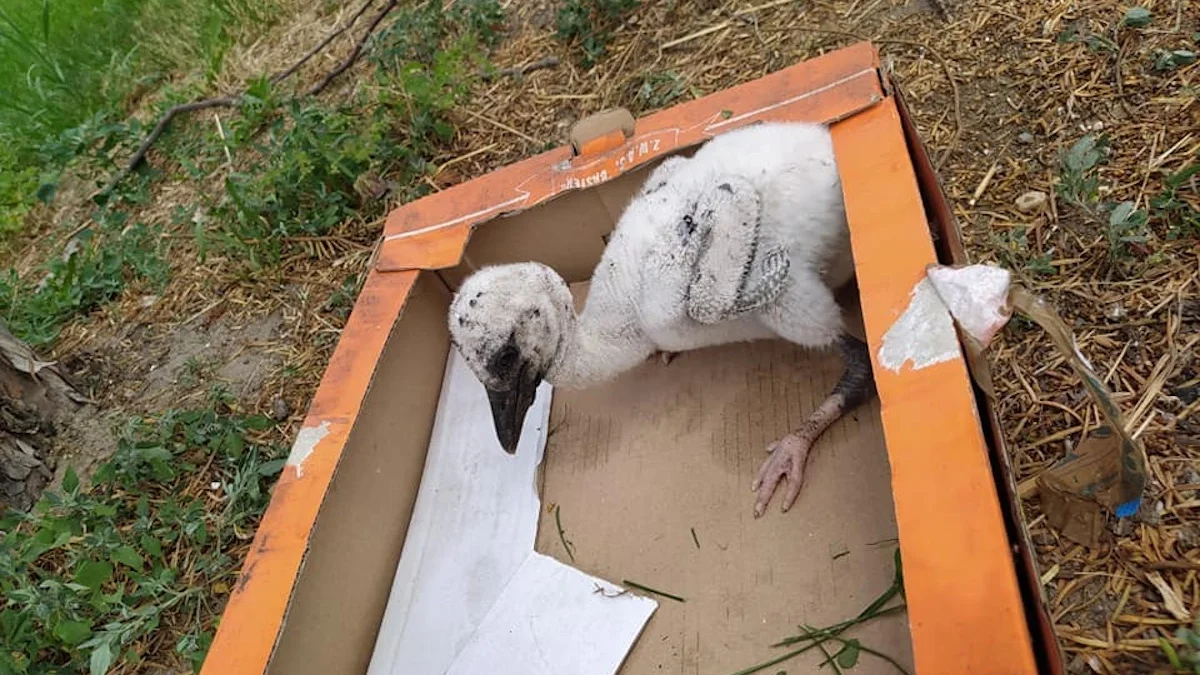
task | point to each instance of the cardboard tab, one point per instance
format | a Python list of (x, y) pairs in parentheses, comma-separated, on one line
[(601, 132)]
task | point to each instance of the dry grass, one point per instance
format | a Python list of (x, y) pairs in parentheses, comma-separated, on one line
[(976, 75)]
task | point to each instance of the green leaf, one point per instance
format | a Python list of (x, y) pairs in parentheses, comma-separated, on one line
[(105, 510), (272, 467), (1172, 657), (72, 632), (70, 481), (1137, 17), (1170, 60), (46, 191), (1120, 213), (46, 21), (898, 580), (259, 423), (848, 656), (93, 573), (1084, 155), (151, 545), (128, 557), (102, 658)]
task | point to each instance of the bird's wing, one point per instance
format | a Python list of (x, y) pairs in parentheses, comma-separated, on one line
[(735, 270)]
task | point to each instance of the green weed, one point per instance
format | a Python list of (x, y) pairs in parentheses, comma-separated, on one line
[(1012, 248), (589, 24), (1172, 205), (135, 566), (305, 185), (1080, 179), (1079, 186), (658, 90), (1185, 658), (426, 60), (92, 275), (18, 190), (1126, 225), (1170, 59), (417, 34)]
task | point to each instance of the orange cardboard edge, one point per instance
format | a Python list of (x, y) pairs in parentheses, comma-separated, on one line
[(254, 615), (960, 576), (432, 232), (950, 250), (826, 88)]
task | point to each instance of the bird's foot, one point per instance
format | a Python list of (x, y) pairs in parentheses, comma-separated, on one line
[(788, 455)]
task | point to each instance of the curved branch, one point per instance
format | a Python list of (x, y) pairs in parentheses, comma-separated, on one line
[(283, 75), (232, 101), (222, 101), (358, 48)]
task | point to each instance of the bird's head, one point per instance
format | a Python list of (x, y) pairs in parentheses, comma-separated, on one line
[(509, 323)]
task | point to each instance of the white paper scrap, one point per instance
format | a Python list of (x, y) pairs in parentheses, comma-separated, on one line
[(552, 619)]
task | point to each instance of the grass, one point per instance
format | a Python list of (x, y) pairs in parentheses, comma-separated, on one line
[(69, 69), (136, 563), (106, 259), (850, 649), (133, 568), (63, 62), (305, 165), (319, 159), (588, 25)]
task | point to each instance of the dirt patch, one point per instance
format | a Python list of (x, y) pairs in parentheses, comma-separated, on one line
[(165, 368), (228, 353)]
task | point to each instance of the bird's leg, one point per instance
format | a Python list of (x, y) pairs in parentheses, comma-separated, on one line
[(789, 453)]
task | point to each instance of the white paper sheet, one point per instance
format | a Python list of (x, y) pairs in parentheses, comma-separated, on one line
[(552, 620), (473, 527), (473, 524)]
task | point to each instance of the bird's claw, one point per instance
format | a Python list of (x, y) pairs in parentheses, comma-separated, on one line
[(786, 461)]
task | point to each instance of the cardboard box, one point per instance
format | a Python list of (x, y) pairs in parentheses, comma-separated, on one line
[(662, 450)]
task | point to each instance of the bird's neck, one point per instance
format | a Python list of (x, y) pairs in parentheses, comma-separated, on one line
[(598, 346)]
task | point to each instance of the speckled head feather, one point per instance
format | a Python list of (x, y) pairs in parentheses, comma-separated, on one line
[(507, 316)]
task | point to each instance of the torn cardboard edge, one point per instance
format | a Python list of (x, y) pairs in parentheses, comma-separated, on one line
[(1108, 469)]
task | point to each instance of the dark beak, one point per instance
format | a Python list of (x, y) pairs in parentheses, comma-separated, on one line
[(509, 408)]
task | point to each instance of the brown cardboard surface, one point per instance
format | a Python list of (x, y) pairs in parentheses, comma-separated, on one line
[(636, 464), (341, 591)]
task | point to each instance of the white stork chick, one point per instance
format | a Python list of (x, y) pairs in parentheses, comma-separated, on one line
[(746, 240)]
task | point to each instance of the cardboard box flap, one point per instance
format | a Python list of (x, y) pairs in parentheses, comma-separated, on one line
[(431, 233), (960, 578)]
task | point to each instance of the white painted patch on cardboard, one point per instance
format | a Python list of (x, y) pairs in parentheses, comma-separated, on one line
[(306, 442), (923, 335), (977, 297)]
